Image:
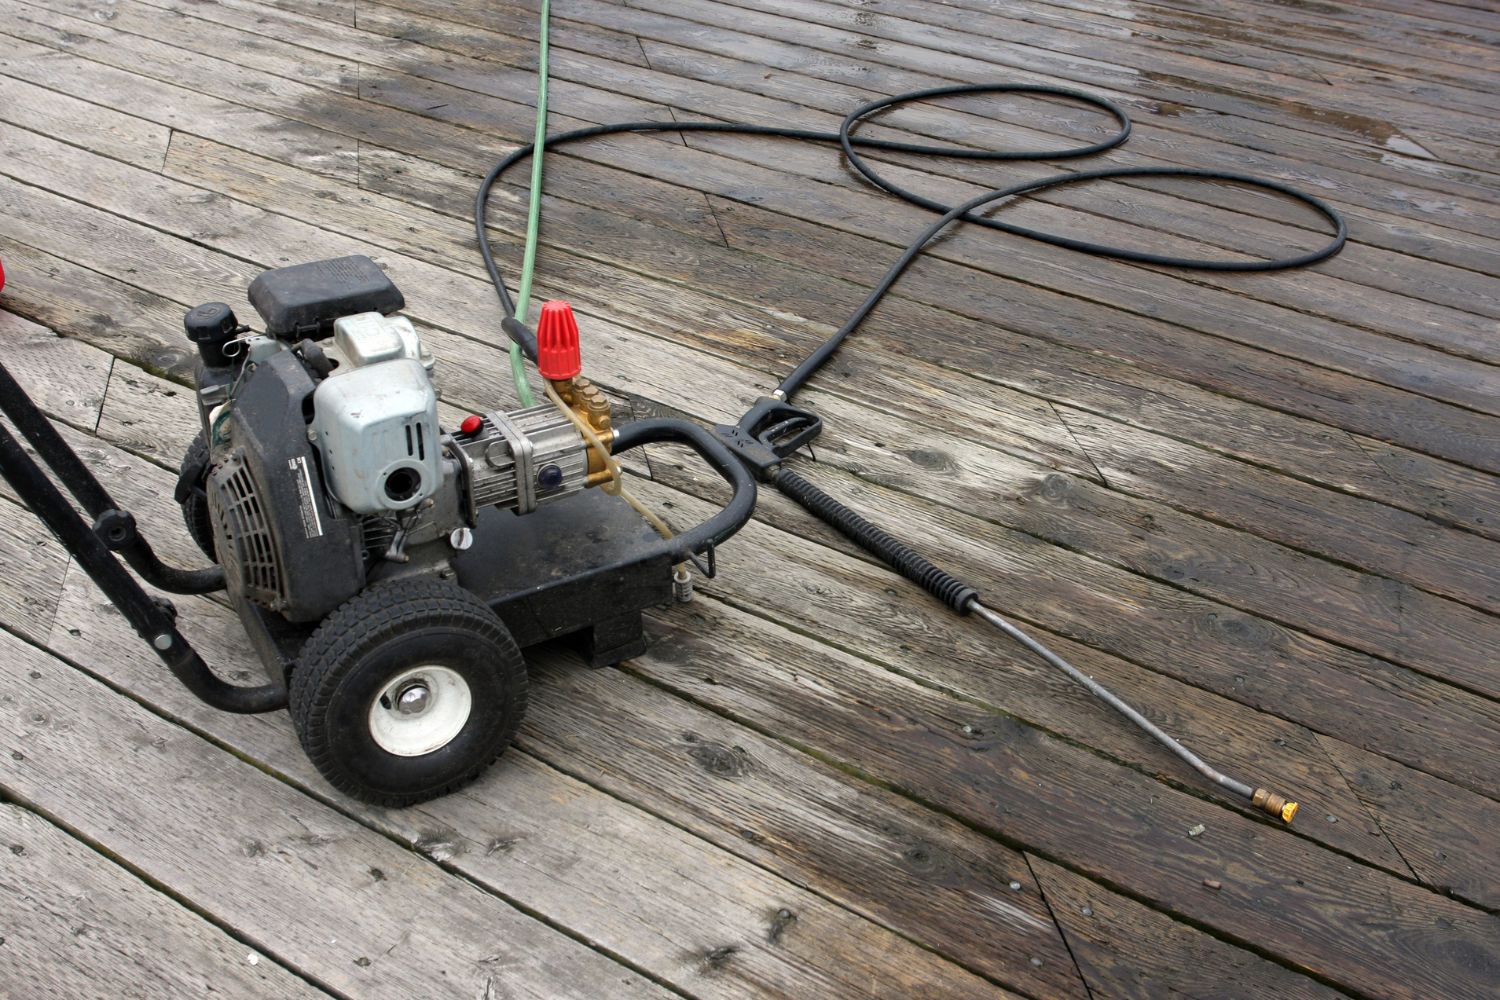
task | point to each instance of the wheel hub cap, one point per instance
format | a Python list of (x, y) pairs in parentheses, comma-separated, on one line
[(413, 699), (420, 710)]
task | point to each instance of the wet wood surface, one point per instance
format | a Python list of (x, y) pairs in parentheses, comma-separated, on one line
[(1263, 507)]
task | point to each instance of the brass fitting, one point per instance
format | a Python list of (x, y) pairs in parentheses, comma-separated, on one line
[(592, 406), (1276, 805)]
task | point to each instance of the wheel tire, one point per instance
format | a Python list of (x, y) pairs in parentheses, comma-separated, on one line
[(422, 626), (195, 507)]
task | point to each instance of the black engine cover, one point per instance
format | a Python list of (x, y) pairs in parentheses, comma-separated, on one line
[(282, 544), (303, 300)]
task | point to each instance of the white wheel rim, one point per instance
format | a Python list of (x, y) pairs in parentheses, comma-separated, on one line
[(420, 710)]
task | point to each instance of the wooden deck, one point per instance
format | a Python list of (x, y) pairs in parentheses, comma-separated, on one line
[(1263, 507)]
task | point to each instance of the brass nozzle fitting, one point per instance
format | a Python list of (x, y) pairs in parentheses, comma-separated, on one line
[(1276, 805)]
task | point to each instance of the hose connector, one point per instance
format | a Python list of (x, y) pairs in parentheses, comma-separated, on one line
[(1277, 805)]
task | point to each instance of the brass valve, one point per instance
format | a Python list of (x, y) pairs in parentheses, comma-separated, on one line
[(588, 401)]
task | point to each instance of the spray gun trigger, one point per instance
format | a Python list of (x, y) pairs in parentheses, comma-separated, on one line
[(769, 432)]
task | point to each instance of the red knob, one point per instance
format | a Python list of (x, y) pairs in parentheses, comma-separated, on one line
[(557, 355), (471, 424)]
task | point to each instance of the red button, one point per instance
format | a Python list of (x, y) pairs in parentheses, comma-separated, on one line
[(471, 424)]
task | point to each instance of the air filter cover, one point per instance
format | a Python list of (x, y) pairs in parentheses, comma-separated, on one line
[(304, 300)]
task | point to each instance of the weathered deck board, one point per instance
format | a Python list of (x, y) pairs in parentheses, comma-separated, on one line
[(1265, 507), (1370, 628), (290, 874), (596, 903), (137, 260), (144, 676), (1291, 756), (1376, 306), (654, 381), (79, 926), (1366, 931), (139, 481)]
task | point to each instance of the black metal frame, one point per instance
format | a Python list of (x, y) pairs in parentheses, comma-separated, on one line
[(113, 531)]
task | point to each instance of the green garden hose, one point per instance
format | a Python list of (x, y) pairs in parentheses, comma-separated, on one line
[(533, 211)]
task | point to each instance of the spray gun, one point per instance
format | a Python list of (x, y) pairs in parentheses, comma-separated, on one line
[(773, 430)]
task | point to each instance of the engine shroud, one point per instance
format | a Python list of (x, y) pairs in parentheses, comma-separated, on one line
[(283, 545)]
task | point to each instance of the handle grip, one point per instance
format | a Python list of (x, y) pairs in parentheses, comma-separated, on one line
[(734, 514), (938, 582)]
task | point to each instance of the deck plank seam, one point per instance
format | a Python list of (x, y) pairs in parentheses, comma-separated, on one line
[(1023, 848), (1061, 930), (1153, 669), (1374, 817), (600, 88), (1098, 472), (1316, 365)]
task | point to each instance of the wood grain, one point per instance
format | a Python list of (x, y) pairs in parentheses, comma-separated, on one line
[(83, 753), (78, 925), (1263, 507), (1026, 787)]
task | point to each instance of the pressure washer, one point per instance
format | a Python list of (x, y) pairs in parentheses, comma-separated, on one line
[(389, 570)]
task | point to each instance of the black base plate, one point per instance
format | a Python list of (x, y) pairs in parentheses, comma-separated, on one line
[(586, 565)]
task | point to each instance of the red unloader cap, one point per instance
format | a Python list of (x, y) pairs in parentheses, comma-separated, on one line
[(557, 355)]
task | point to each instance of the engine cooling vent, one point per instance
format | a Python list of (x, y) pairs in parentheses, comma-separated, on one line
[(242, 535), (377, 534)]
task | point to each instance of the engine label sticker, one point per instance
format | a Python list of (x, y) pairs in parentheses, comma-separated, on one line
[(312, 524)]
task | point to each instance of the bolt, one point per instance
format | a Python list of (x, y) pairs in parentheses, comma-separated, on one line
[(1016, 886), (413, 699), (162, 642)]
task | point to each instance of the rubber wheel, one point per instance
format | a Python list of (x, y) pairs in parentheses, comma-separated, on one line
[(195, 507), (381, 653)]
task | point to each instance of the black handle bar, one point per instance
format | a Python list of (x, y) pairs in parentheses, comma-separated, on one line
[(717, 529)]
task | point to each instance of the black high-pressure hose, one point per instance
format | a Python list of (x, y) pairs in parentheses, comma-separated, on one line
[(773, 429)]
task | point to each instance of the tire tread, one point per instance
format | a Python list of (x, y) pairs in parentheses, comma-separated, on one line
[(373, 616)]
